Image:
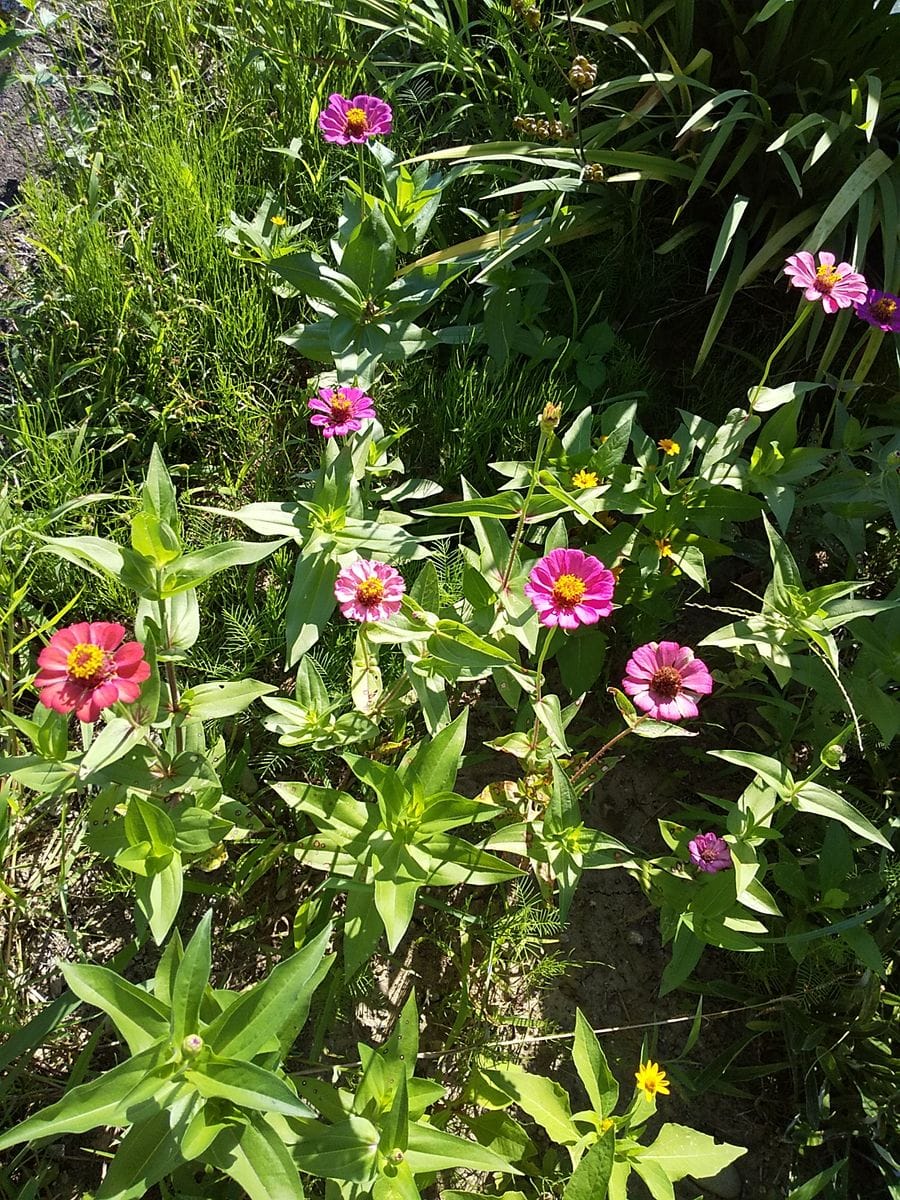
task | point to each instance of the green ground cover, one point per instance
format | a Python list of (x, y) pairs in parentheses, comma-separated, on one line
[(353, 895)]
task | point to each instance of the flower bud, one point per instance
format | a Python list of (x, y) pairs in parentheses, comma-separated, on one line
[(550, 417), (593, 173), (582, 73), (192, 1045)]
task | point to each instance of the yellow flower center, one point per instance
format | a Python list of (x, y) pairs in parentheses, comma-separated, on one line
[(651, 1078), (568, 590), (370, 591), (666, 682), (357, 121), (826, 278), (341, 408), (884, 308), (585, 479), (85, 660)]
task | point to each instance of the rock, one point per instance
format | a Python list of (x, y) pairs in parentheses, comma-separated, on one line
[(727, 1185)]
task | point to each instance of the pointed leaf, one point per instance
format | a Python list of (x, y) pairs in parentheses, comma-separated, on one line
[(140, 1018), (191, 979)]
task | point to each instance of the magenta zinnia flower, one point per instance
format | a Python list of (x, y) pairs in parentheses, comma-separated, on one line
[(369, 590), (881, 309), (709, 852), (570, 588), (85, 668), (665, 680), (343, 121), (341, 410), (836, 286)]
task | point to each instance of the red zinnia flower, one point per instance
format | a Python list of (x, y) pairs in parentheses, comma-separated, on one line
[(85, 668)]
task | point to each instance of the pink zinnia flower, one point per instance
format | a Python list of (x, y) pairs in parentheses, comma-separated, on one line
[(570, 588), (881, 309), (85, 668), (665, 680), (341, 410), (343, 121), (369, 590), (836, 286), (709, 852)]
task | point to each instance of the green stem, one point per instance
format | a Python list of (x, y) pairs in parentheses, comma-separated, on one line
[(805, 312), (517, 536), (539, 686), (362, 183), (171, 678)]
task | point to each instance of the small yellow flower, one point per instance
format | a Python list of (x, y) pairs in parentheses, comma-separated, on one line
[(668, 446), (604, 439), (606, 1123), (585, 479), (279, 220), (664, 546), (651, 1080)]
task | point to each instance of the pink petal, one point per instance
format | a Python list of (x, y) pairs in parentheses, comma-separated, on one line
[(106, 634)]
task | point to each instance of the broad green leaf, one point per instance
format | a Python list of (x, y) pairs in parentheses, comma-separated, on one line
[(158, 493), (772, 771), (543, 1099), (430, 1149), (686, 951), (212, 701), (112, 743), (593, 1069), (654, 1176), (140, 1018), (846, 197), (246, 1085), (148, 1152), (191, 979), (199, 565), (395, 903), (813, 798), (103, 1101), (311, 275), (681, 1151), (590, 1180), (435, 763), (310, 603), (147, 822), (160, 897), (262, 1012), (258, 1161), (344, 1150)]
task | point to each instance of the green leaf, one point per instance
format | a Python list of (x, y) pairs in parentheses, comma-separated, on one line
[(158, 492), (246, 1085), (212, 701), (813, 798), (272, 1005), (195, 568), (593, 1069), (543, 1099), (395, 903), (430, 1149), (310, 603), (147, 822), (259, 1162), (140, 1018), (846, 197), (435, 763), (344, 1150), (775, 773), (681, 1151), (686, 951), (154, 539), (191, 979), (147, 1153), (103, 1101), (97, 556), (112, 743), (311, 275), (590, 1180), (159, 897), (548, 712)]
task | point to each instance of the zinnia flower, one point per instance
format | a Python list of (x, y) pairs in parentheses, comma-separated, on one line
[(369, 590), (881, 309), (343, 120), (836, 286), (570, 588), (585, 479), (665, 680), (709, 852), (668, 446), (85, 668), (341, 410), (651, 1080)]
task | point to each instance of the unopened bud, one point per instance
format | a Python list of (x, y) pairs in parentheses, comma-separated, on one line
[(582, 73), (550, 417), (192, 1045)]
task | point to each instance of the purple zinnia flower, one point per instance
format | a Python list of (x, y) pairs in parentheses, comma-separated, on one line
[(569, 588), (344, 120), (881, 309), (666, 681), (342, 410), (709, 852)]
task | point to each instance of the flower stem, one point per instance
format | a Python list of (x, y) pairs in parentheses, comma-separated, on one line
[(362, 183), (520, 526), (539, 686), (171, 678), (804, 314), (586, 766)]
